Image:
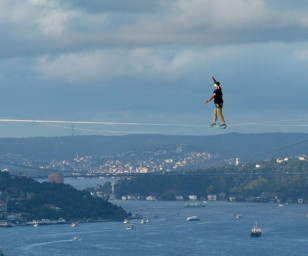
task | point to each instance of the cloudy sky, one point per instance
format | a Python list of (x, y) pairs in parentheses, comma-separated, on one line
[(136, 66)]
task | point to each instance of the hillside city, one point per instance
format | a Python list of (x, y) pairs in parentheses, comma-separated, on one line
[(160, 161), (172, 159), (133, 154)]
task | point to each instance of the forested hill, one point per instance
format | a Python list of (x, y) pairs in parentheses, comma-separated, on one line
[(50, 200), (260, 182), (245, 146)]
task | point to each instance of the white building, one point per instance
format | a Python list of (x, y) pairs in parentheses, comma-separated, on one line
[(212, 197), (237, 161), (193, 197), (142, 170), (150, 198), (14, 216)]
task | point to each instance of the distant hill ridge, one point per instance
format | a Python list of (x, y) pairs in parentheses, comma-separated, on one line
[(54, 200), (245, 146)]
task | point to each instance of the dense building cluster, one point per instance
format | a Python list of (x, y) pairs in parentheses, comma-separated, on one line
[(132, 163)]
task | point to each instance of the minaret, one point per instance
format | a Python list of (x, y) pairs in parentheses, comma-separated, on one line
[(112, 195)]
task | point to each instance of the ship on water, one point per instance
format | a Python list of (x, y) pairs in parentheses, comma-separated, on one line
[(196, 204), (256, 231), (5, 224), (129, 227), (193, 218)]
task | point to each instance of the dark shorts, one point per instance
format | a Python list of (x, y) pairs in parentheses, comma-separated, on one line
[(219, 105)]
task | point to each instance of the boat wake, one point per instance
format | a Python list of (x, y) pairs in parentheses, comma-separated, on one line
[(34, 245)]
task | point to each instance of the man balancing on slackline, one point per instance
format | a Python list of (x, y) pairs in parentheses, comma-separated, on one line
[(218, 101)]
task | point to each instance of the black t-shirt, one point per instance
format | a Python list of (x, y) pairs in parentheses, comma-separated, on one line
[(218, 97)]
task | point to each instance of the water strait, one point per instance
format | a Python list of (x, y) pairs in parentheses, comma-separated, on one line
[(219, 232)]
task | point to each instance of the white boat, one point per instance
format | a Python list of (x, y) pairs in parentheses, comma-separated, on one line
[(75, 238), (196, 204), (74, 224), (129, 227), (238, 216), (5, 224), (125, 221), (192, 218), (142, 221), (256, 231), (35, 225)]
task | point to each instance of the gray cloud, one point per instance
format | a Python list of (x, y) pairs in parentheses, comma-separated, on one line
[(119, 6), (152, 59), (31, 27)]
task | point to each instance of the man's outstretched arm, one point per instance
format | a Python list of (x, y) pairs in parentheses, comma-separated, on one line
[(214, 80)]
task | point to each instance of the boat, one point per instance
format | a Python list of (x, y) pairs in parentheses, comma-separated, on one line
[(125, 221), (142, 221), (74, 224), (5, 224), (238, 216), (129, 227), (196, 204), (256, 231), (147, 220), (35, 225), (192, 218), (75, 238)]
